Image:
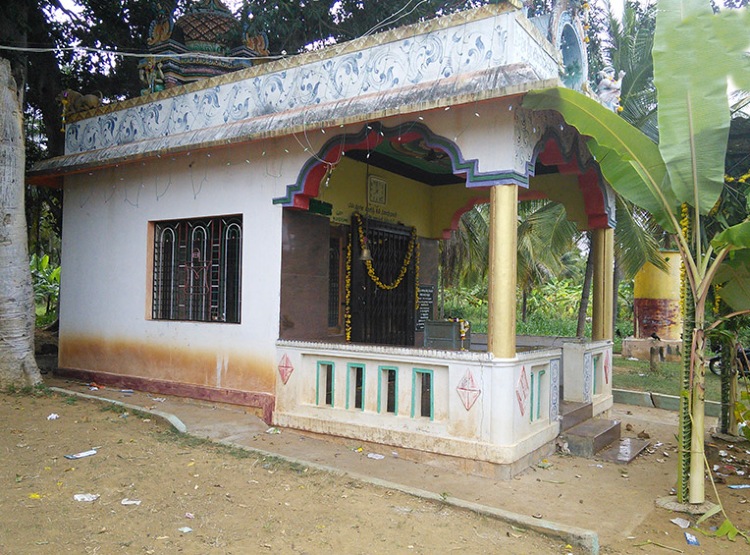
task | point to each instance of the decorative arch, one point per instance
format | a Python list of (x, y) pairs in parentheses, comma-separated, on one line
[(460, 212), (599, 198), (371, 135)]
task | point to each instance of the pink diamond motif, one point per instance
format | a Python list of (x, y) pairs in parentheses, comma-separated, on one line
[(522, 391), (285, 369), (467, 390)]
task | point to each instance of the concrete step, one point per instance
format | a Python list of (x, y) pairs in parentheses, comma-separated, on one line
[(625, 450), (588, 438), (575, 413)]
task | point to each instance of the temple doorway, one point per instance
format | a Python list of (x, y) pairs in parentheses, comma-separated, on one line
[(383, 287)]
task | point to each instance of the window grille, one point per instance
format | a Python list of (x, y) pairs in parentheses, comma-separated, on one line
[(197, 269)]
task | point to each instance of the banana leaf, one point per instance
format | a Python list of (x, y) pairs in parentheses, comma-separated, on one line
[(693, 99), (629, 160), (733, 276)]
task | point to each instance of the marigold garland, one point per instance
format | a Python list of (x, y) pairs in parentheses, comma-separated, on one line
[(684, 228), (742, 179), (348, 293), (65, 101), (416, 276), (463, 327), (371, 268)]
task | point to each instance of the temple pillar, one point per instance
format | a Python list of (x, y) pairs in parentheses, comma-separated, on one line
[(501, 327), (603, 246)]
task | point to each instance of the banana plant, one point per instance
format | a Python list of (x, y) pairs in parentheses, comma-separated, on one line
[(697, 55), (46, 280)]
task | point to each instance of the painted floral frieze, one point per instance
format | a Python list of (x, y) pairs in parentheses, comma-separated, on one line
[(459, 51)]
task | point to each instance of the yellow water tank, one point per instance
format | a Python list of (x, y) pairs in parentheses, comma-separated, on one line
[(656, 304)]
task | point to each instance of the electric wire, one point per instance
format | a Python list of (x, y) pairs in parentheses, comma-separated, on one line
[(390, 20)]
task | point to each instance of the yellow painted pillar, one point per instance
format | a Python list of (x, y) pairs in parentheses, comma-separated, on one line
[(604, 253), (501, 328), (656, 299)]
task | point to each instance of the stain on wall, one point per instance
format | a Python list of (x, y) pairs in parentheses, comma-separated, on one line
[(226, 369)]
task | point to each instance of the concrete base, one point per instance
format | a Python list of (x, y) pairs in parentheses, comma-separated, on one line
[(671, 504), (464, 465), (590, 437), (659, 401), (625, 450), (574, 414), (669, 349)]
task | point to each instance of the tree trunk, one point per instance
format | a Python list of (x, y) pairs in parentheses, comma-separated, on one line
[(685, 433), (616, 279), (17, 317), (583, 308), (697, 481)]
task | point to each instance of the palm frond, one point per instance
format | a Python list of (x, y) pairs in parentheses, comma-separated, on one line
[(635, 239)]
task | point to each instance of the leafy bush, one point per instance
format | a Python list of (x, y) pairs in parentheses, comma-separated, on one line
[(552, 309), (551, 325), (46, 281), (742, 414), (469, 304)]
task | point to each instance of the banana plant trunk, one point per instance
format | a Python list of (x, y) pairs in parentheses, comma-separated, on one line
[(17, 316), (697, 493), (685, 422)]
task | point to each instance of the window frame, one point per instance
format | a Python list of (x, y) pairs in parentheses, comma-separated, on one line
[(383, 385), (351, 385), (336, 280), (536, 388), (328, 386), (196, 269), (415, 380)]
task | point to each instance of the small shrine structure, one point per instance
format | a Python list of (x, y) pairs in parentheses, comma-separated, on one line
[(270, 236), (204, 42)]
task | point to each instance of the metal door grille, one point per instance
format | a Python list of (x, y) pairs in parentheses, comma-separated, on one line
[(378, 315)]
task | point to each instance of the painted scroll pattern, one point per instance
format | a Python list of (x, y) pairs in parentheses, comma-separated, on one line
[(554, 389), (457, 51), (588, 378)]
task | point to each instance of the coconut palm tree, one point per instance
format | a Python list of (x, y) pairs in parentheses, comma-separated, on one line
[(545, 237), (627, 44)]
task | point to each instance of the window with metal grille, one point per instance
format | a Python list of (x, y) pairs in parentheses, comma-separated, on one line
[(197, 269)]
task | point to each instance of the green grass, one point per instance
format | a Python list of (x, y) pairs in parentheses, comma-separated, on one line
[(194, 442), (636, 375), (120, 410), (268, 462), (38, 390)]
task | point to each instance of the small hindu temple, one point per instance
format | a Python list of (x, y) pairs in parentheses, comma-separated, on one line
[(268, 234)]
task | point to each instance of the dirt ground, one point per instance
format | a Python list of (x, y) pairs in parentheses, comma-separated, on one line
[(235, 502)]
